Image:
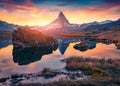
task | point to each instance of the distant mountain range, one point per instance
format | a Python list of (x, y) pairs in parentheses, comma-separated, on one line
[(6, 30), (62, 25), (4, 26)]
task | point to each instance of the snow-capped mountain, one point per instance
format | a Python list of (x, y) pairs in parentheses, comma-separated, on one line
[(85, 25), (105, 25), (105, 22), (60, 22), (62, 25)]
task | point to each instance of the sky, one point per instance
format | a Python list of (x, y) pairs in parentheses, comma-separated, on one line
[(42, 12)]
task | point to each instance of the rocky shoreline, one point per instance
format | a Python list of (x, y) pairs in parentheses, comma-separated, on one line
[(79, 69), (105, 37)]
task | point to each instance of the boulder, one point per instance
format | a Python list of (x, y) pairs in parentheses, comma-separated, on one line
[(26, 38), (81, 46)]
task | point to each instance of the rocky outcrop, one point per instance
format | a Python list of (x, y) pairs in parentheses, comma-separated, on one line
[(83, 46), (25, 37)]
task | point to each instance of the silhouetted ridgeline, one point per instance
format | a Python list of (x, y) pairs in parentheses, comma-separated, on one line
[(6, 30)]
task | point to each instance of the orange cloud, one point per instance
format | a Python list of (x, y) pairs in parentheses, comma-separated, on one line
[(31, 15)]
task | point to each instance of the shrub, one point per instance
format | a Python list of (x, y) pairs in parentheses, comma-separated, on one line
[(47, 73), (89, 66)]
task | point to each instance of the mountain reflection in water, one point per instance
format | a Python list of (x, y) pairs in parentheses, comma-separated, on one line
[(64, 43), (24, 56), (31, 60), (4, 43)]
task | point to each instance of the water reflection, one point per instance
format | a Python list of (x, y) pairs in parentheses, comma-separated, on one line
[(24, 56), (4, 43), (91, 43), (84, 46), (62, 47), (50, 58), (64, 44)]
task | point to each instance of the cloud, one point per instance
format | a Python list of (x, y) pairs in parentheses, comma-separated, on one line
[(19, 1), (1, 6), (112, 8), (36, 11), (38, 1), (62, 4), (111, 1), (12, 5)]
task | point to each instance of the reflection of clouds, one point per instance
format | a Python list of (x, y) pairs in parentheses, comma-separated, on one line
[(100, 50), (25, 56), (6, 63), (53, 60), (34, 14), (6, 51)]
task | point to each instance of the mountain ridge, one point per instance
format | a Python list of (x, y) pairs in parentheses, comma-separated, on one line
[(4, 26), (62, 25)]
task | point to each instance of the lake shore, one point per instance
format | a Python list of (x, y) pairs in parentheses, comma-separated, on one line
[(112, 36), (100, 71)]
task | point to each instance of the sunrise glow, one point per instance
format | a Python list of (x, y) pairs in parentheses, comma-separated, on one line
[(30, 12)]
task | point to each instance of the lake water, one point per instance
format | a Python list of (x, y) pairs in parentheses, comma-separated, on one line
[(33, 61)]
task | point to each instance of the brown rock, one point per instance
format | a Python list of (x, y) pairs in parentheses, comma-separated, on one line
[(25, 37)]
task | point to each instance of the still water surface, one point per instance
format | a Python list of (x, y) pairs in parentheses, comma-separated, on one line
[(33, 61)]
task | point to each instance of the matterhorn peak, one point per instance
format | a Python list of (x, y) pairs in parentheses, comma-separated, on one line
[(60, 22), (62, 18), (61, 15)]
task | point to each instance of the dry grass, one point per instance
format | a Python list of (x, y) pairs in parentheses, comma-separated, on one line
[(48, 73), (94, 67)]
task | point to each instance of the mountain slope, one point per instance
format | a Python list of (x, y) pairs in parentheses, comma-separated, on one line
[(4, 26), (103, 27), (60, 22), (6, 30), (61, 25)]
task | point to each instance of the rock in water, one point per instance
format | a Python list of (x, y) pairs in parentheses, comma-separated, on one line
[(83, 46), (24, 56), (25, 38)]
